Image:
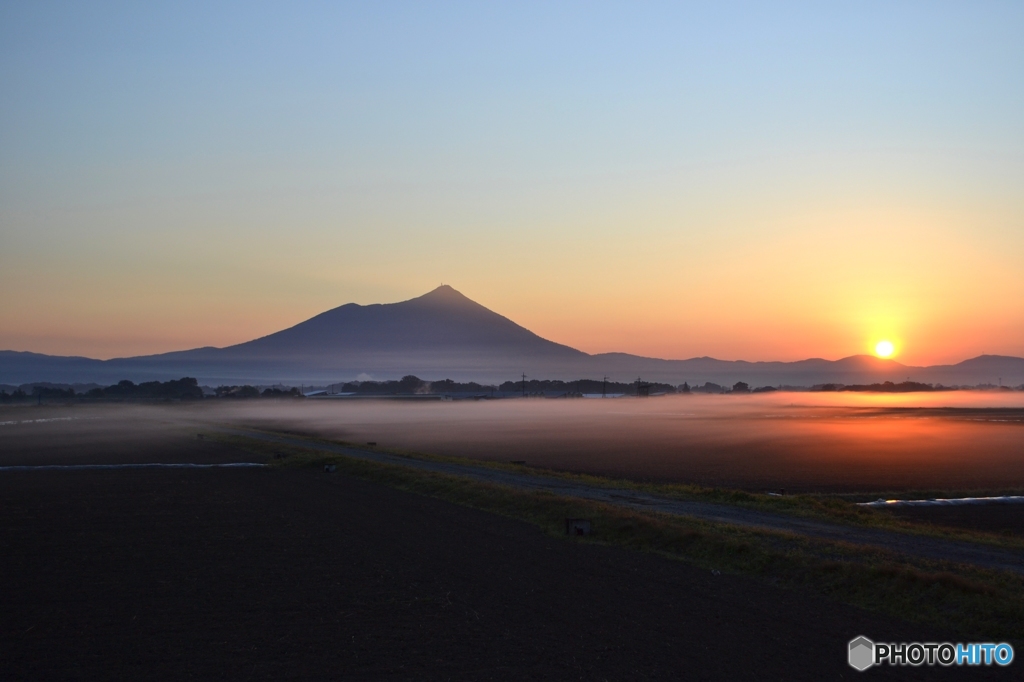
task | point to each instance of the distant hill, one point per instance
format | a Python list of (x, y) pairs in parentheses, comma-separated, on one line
[(443, 334)]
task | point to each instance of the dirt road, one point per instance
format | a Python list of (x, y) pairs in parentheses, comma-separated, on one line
[(915, 545)]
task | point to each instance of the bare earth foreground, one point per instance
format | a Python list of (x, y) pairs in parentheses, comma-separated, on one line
[(294, 573), (256, 574)]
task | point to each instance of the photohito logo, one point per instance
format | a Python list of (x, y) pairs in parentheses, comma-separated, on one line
[(862, 653)]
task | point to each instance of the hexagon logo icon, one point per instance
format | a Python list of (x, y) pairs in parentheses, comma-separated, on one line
[(861, 653)]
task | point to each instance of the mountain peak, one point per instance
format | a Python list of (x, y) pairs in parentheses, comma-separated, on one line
[(444, 292), (445, 296)]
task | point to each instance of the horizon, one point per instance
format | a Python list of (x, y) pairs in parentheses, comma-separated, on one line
[(738, 181), (443, 287)]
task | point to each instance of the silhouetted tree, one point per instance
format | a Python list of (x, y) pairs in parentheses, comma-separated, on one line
[(280, 393)]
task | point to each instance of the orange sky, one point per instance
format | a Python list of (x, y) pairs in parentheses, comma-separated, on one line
[(666, 181), (778, 278)]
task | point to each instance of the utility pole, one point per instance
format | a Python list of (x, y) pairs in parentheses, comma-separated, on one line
[(604, 388), (524, 384)]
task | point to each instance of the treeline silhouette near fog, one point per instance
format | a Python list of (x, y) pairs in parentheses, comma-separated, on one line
[(738, 387), (187, 388), (885, 387), (412, 385), (582, 386), (254, 392)]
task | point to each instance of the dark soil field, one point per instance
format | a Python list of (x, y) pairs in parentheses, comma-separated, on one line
[(106, 434), (1004, 519), (297, 574)]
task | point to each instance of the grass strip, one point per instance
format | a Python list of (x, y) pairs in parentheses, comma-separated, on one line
[(969, 601), (840, 509)]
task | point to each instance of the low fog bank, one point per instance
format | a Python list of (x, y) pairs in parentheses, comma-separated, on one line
[(823, 442), (109, 434), (798, 442)]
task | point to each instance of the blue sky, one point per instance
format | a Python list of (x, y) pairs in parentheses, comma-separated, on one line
[(174, 175)]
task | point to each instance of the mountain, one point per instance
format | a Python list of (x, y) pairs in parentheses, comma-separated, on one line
[(856, 369), (443, 334)]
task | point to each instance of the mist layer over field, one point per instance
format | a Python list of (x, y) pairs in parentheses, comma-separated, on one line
[(796, 441)]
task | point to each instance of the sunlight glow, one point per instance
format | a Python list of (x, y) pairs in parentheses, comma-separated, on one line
[(884, 349)]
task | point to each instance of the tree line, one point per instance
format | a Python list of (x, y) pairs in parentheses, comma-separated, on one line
[(185, 388)]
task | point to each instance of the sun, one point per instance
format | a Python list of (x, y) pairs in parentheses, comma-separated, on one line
[(884, 349)]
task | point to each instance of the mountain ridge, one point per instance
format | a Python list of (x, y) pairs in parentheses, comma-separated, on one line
[(444, 334)]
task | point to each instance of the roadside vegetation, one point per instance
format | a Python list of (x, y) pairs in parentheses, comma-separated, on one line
[(833, 508)]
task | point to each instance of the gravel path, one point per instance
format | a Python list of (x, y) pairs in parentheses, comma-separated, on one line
[(920, 546)]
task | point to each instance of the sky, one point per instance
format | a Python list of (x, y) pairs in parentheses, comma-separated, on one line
[(758, 181)]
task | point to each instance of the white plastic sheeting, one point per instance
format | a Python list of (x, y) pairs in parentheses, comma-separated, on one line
[(942, 502), (151, 465)]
